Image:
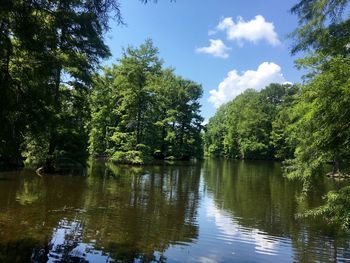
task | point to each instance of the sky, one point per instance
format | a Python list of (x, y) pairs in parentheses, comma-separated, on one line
[(226, 46)]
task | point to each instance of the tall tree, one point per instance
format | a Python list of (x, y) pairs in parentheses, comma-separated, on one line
[(138, 67), (46, 44), (322, 109), (141, 111), (321, 25), (323, 116)]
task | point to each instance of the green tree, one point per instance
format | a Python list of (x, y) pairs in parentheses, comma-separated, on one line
[(283, 136), (188, 122), (178, 121), (322, 26), (103, 99), (243, 128), (45, 44), (137, 69), (322, 114), (322, 120), (215, 133), (140, 111)]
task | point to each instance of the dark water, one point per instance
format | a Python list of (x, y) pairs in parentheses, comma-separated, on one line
[(213, 211)]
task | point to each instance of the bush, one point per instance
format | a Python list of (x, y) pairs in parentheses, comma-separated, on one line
[(129, 157)]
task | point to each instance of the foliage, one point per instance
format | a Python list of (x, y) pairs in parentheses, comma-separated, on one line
[(215, 133), (44, 45), (334, 210), (321, 26), (50, 53), (322, 115), (141, 111), (250, 126), (128, 157), (323, 125)]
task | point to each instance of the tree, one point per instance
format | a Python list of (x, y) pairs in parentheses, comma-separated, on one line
[(243, 128), (46, 44), (215, 132), (103, 99), (178, 120), (187, 124), (283, 136), (322, 120), (322, 113), (141, 111), (320, 23), (138, 66)]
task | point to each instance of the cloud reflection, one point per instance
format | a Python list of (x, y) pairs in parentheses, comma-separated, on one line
[(232, 232)]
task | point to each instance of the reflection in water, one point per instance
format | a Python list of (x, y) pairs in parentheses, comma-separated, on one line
[(116, 213), (255, 204), (67, 245), (215, 211), (232, 231)]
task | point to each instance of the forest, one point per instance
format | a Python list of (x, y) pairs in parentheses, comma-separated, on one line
[(58, 105), (253, 125)]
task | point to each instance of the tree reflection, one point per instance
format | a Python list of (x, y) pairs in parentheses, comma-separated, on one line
[(258, 198), (135, 214), (114, 213)]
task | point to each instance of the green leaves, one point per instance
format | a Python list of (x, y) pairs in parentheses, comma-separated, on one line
[(141, 111), (335, 210), (45, 45), (318, 20), (321, 113), (243, 128)]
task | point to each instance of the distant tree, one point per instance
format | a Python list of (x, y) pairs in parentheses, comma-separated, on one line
[(215, 133), (243, 128)]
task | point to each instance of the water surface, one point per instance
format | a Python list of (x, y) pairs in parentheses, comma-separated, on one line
[(210, 211)]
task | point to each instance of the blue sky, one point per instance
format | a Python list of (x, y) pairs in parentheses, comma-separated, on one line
[(225, 45)]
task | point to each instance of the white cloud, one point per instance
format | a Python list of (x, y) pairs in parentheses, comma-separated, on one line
[(234, 84), (252, 31), (211, 32), (217, 48)]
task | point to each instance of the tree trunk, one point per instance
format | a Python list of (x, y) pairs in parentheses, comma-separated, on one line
[(336, 167)]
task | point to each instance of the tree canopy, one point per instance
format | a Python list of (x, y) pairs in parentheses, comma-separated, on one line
[(141, 110), (48, 50), (50, 55), (252, 125)]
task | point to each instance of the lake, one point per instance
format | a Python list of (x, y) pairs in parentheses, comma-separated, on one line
[(209, 211)]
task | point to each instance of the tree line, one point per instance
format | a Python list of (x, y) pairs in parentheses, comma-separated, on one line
[(252, 126), (50, 56), (306, 126)]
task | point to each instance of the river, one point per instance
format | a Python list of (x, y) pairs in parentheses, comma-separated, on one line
[(209, 211)]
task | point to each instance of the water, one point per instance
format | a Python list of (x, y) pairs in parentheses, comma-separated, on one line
[(211, 211)]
